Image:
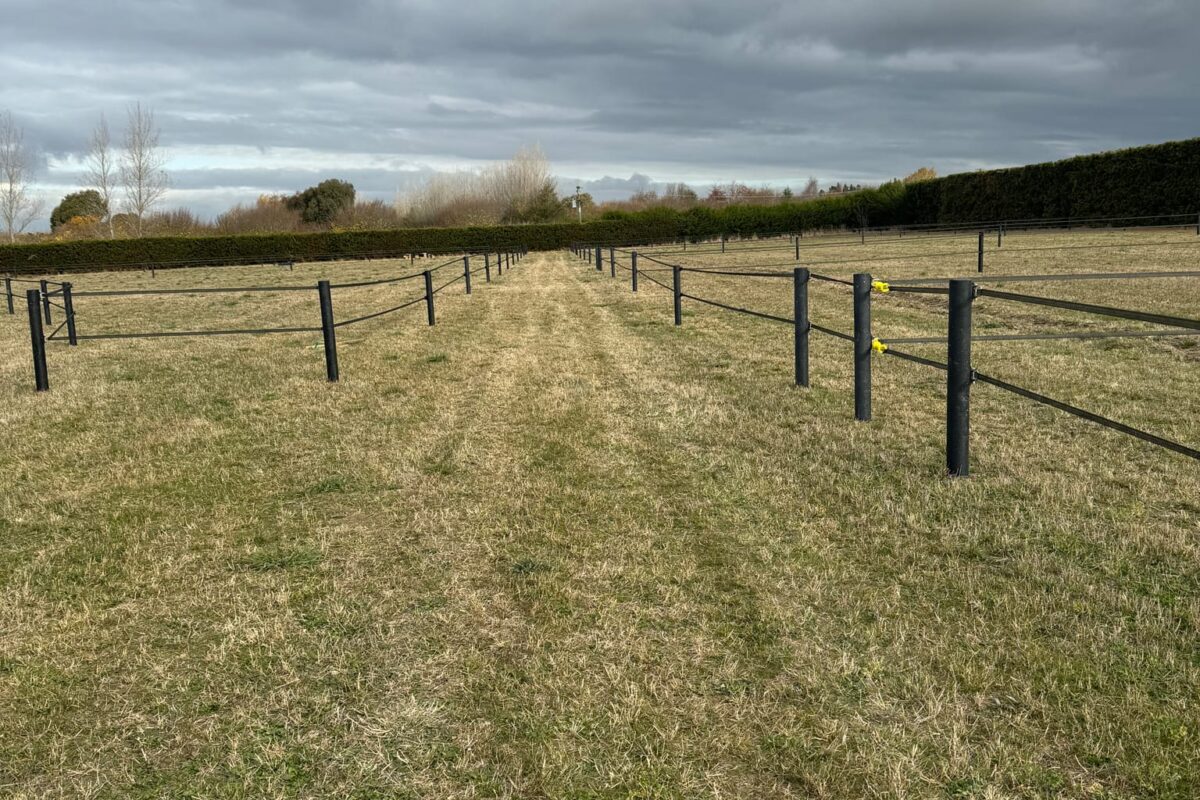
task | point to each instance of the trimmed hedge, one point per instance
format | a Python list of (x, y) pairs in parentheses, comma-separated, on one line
[(1159, 179), (1140, 182), (215, 250), (655, 225)]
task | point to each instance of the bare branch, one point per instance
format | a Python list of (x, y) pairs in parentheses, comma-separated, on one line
[(18, 208), (102, 168), (142, 163)]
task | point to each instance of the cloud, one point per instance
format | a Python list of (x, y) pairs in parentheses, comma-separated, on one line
[(270, 95)]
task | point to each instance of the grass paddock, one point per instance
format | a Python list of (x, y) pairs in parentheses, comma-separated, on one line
[(555, 546)]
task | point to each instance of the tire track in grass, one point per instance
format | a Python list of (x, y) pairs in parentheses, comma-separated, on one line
[(583, 575)]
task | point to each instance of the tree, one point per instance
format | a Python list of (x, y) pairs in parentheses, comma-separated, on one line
[(679, 196), (102, 169), (542, 206), (17, 207), (585, 202), (88, 203), (321, 203), (142, 174), (922, 174), (811, 189), (787, 193)]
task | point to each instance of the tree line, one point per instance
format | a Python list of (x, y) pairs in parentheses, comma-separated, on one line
[(125, 182), (132, 174)]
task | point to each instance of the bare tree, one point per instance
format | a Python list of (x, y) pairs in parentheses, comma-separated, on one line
[(142, 163), (519, 190), (17, 207), (102, 169)]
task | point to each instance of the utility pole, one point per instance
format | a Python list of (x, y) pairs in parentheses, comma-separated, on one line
[(578, 205)]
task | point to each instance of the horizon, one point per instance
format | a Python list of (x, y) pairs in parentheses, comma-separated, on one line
[(274, 97)]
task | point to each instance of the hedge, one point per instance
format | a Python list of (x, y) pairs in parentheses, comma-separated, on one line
[(87, 255), (1141, 182), (655, 225), (1157, 180)]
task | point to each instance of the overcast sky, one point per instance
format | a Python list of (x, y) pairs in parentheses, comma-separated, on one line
[(262, 96)]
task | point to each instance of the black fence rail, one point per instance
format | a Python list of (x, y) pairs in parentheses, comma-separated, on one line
[(826, 254), (867, 235), (40, 300), (960, 296)]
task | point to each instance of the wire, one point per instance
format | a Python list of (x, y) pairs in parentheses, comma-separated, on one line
[(915, 359), (819, 277), (378, 313), (1090, 416), (1078, 276), (448, 283), (214, 290), (749, 311), (1107, 311), (737, 274), (414, 276), (831, 332), (1037, 337), (652, 280), (167, 334)]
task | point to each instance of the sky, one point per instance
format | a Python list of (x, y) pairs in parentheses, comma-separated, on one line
[(267, 96)]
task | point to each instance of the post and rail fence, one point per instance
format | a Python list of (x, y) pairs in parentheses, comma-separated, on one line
[(961, 295)]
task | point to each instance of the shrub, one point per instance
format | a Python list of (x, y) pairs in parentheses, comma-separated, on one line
[(87, 203), (321, 203)]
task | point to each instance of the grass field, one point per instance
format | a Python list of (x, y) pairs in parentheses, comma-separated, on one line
[(556, 547)]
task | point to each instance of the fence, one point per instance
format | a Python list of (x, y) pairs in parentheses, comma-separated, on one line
[(1002, 229), (960, 294), (40, 301)]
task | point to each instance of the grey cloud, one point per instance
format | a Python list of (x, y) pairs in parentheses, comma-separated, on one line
[(699, 90)]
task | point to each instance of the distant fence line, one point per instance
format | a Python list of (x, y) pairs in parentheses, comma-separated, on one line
[(961, 294), (41, 300)]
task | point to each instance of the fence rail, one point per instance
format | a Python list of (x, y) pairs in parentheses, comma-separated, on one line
[(39, 304), (961, 294)]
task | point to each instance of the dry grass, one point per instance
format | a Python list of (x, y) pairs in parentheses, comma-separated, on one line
[(556, 547)]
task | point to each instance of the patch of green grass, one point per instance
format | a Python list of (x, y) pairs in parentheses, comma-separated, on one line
[(282, 558), (592, 554)]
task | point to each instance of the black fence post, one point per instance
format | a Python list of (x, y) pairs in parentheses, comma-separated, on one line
[(467, 272), (862, 347), (8, 294), (37, 338), (800, 315), (487, 268), (958, 378), (722, 243), (45, 303), (612, 262), (599, 259), (678, 295), (797, 248), (328, 332), (633, 269), (499, 265), (1000, 235), (980, 264), (429, 297), (69, 310)]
